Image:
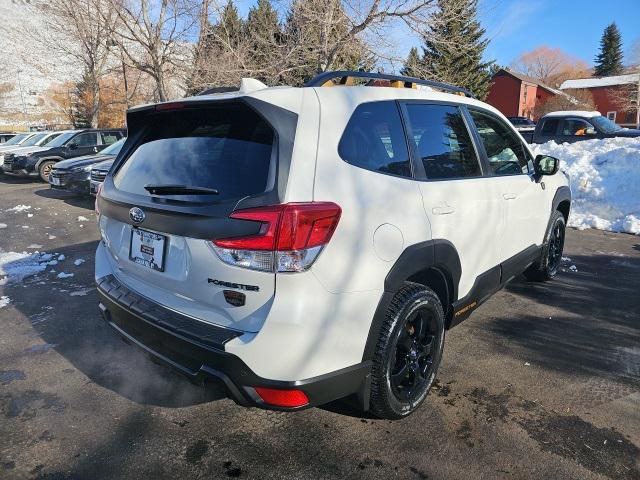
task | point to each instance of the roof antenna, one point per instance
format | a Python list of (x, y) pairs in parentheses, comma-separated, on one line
[(248, 85)]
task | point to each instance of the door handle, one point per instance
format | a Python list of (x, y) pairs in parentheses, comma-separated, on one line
[(509, 196), (442, 210)]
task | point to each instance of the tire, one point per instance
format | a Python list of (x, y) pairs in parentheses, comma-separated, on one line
[(411, 340), (44, 169), (547, 266)]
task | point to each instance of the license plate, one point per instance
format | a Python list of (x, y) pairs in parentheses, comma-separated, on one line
[(55, 181), (147, 248)]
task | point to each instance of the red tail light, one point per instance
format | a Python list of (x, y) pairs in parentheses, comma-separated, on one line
[(296, 232), (282, 398)]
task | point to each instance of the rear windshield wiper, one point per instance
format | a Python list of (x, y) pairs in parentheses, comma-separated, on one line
[(179, 190)]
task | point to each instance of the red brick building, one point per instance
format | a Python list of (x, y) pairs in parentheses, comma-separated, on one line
[(517, 95), (607, 93)]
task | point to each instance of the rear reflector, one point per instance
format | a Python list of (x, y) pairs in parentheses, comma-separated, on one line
[(282, 398), (289, 240)]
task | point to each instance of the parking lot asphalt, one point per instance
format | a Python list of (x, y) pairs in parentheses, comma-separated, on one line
[(543, 381)]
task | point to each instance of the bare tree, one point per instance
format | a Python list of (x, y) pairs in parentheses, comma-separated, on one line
[(86, 25), (572, 99), (550, 65), (154, 37)]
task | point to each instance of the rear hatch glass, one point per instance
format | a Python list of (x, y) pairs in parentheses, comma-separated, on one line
[(226, 148)]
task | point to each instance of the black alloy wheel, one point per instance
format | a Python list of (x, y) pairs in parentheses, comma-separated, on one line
[(408, 352)]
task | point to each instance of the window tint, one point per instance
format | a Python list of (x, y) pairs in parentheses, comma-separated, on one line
[(89, 139), (550, 126), (506, 154), (110, 137), (442, 141), (374, 139), (226, 147), (575, 127)]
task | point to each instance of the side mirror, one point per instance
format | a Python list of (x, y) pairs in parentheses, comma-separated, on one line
[(72, 146), (546, 165), (590, 131)]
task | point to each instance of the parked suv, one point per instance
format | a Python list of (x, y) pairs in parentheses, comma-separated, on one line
[(579, 125), (68, 145), (74, 175), (306, 244)]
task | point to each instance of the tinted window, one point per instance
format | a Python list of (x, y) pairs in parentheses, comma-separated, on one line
[(506, 154), (61, 139), (606, 125), (550, 126), (110, 137), (114, 148), (88, 139), (16, 140), (227, 148), (442, 141), (374, 139)]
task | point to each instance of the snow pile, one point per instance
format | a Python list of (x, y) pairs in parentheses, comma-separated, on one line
[(14, 267), (605, 181)]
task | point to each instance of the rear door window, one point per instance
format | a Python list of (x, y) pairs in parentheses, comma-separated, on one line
[(89, 139), (442, 141), (550, 126), (374, 139), (228, 148)]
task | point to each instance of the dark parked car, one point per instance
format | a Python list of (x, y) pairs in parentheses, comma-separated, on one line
[(578, 125), (68, 145), (525, 126), (74, 174), (98, 174)]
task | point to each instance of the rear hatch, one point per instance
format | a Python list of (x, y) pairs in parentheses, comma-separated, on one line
[(183, 170)]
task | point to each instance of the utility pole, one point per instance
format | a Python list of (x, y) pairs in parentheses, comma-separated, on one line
[(24, 107)]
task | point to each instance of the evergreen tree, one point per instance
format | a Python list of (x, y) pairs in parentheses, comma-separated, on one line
[(229, 30), (264, 36), (411, 66), (454, 46), (609, 60)]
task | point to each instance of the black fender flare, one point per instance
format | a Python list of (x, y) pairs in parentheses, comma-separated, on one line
[(438, 254), (563, 194)]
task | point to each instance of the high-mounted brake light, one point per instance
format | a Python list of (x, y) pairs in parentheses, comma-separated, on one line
[(290, 238), (170, 106), (282, 398)]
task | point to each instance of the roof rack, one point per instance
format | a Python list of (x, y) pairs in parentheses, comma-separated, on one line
[(406, 82)]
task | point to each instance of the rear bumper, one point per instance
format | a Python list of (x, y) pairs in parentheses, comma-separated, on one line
[(197, 351)]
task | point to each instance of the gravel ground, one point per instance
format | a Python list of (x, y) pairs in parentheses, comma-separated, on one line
[(543, 381)]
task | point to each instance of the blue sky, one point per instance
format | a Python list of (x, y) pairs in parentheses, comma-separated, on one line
[(575, 26), (518, 26)]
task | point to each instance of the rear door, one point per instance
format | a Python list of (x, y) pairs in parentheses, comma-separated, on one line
[(547, 130), (457, 197), (161, 244), (85, 144)]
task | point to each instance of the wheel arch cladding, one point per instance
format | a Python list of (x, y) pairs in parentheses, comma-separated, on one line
[(562, 203), (435, 264)]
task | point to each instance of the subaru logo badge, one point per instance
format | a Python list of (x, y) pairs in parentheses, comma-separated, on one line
[(137, 215)]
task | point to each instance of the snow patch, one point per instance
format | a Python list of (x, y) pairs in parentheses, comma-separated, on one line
[(19, 208), (82, 219), (605, 182), (65, 275), (15, 267), (4, 301), (34, 245), (82, 293), (79, 262), (51, 237), (3, 225), (61, 258)]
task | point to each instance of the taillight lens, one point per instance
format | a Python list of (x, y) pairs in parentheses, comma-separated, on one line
[(290, 239)]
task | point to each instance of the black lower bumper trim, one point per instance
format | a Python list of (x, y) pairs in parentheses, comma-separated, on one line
[(200, 361)]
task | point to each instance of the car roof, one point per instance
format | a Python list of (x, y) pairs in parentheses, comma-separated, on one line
[(574, 113)]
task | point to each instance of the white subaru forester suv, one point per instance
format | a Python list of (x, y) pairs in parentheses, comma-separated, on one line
[(303, 245)]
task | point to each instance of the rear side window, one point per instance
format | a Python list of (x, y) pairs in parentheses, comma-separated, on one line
[(550, 126), (374, 139), (109, 138), (575, 127), (227, 148), (89, 139), (442, 141)]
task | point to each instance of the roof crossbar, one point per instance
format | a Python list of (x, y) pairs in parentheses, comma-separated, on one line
[(343, 75)]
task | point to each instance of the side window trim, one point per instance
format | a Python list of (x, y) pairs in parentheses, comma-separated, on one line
[(416, 162), (485, 157)]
